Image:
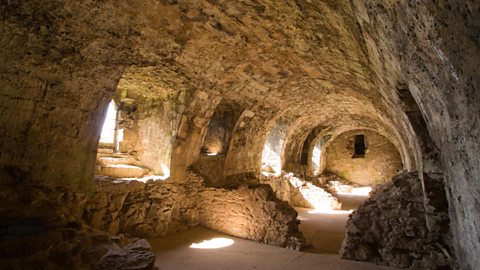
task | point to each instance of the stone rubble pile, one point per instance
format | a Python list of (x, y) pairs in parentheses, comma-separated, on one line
[(394, 227), (33, 238)]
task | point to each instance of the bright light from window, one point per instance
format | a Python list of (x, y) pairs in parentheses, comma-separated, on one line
[(271, 160), (317, 151), (316, 156), (165, 171), (213, 243), (108, 129)]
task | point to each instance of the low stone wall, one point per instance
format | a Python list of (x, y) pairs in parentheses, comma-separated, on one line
[(395, 228), (301, 193), (135, 209), (251, 212), (157, 208)]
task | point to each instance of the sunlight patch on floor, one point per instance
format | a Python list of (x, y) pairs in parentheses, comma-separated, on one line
[(213, 243)]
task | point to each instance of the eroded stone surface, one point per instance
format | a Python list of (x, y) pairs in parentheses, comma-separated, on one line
[(394, 228), (42, 218), (32, 238)]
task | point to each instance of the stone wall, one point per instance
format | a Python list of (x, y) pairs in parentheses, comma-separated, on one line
[(136, 209), (301, 193), (220, 127), (191, 132), (60, 68), (393, 227), (50, 228), (248, 139), (381, 161), (433, 48), (158, 208), (150, 114), (251, 212)]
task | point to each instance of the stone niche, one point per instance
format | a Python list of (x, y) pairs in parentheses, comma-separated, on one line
[(211, 162), (380, 160)]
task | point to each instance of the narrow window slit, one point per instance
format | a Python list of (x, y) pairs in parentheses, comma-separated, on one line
[(359, 147)]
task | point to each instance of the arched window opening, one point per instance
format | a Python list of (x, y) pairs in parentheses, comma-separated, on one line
[(306, 146), (317, 157), (140, 127), (111, 135)]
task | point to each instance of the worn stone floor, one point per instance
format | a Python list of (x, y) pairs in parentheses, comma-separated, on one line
[(324, 230), (173, 252)]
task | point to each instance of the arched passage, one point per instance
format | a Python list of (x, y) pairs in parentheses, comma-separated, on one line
[(216, 142), (371, 161), (272, 154), (149, 109), (245, 155)]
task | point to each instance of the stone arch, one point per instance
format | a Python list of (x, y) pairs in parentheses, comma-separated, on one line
[(216, 142), (191, 131), (309, 136), (244, 158), (151, 100)]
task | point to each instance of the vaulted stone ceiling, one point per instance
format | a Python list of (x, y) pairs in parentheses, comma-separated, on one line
[(333, 64)]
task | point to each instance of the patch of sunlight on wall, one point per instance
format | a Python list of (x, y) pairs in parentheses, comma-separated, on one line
[(165, 171), (316, 156), (271, 162), (213, 243), (108, 129), (317, 197)]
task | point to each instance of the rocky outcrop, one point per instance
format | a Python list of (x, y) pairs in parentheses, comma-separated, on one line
[(33, 238), (395, 228)]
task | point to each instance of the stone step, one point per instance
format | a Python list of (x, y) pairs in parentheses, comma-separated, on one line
[(104, 151), (114, 155), (122, 171), (110, 160)]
